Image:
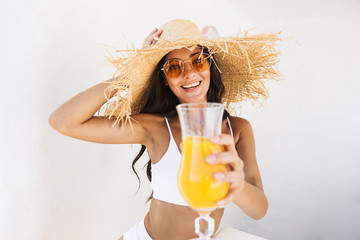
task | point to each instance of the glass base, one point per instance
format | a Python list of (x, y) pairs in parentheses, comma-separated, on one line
[(204, 226)]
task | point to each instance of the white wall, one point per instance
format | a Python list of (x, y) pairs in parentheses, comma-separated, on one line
[(54, 187)]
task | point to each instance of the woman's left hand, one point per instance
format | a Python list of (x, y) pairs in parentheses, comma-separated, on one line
[(150, 39), (235, 174)]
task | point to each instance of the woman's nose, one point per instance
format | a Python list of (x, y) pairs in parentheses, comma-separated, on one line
[(188, 70)]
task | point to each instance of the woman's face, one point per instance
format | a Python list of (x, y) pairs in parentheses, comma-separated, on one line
[(191, 86)]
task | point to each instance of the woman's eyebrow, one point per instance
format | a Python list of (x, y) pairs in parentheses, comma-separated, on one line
[(195, 53)]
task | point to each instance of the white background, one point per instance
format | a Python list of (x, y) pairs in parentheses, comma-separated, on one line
[(307, 133)]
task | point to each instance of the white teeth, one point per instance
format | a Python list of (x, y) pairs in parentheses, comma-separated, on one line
[(191, 85)]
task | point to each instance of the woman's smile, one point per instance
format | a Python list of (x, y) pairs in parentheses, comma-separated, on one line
[(191, 86)]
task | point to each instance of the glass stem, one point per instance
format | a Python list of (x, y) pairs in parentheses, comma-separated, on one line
[(204, 226)]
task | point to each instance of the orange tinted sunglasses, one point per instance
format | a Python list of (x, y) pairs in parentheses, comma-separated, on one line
[(174, 68)]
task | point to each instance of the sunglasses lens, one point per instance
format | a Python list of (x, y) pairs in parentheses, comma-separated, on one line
[(173, 68), (201, 62)]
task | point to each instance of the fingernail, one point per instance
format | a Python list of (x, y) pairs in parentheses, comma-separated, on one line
[(211, 159), (219, 176), (220, 204), (215, 139)]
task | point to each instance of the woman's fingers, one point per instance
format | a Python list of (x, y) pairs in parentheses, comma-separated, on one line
[(234, 177), (228, 157), (154, 31), (229, 197), (156, 34), (150, 38), (151, 35), (226, 140), (236, 180)]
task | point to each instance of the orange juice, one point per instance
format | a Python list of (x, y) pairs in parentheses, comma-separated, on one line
[(195, 179)]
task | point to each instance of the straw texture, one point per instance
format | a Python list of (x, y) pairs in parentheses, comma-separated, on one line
[(244, 61)]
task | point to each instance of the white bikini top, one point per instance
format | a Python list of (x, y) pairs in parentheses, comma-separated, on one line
[(164, 173)]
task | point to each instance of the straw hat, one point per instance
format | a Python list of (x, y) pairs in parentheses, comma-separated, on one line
[(244, 62)]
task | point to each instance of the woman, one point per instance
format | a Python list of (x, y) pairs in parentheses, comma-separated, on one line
[(178, 65)]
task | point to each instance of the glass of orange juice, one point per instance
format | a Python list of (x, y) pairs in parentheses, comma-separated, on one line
[(199, 123)]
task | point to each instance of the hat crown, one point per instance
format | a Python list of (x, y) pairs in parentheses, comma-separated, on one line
[(178, 29)]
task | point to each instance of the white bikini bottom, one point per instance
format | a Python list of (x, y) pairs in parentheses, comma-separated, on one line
[(137, 232)]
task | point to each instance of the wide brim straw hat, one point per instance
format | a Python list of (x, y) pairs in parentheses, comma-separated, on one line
[(244, 61)]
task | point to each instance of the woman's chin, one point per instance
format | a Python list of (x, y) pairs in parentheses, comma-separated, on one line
[(193, 100)]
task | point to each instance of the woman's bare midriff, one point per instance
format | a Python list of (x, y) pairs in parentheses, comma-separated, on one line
[(170, 221)]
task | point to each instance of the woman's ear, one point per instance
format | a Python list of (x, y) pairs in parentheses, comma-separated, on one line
[(166, 83)]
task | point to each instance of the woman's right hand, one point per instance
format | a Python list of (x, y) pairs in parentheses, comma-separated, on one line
[(149, 40)]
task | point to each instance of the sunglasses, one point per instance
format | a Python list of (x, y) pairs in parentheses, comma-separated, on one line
[(199, 62)]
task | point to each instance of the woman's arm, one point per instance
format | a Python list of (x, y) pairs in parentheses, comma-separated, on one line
[(246, 189), (80, 108), (251, 198), (75, 118)]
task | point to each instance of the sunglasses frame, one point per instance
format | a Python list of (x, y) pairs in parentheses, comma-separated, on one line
[(207, 58)]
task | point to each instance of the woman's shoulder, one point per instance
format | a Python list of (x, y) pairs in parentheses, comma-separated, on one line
[(240, 126), (239, 122)]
